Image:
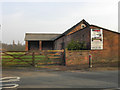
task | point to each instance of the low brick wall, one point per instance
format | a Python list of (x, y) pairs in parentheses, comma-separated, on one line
[(99, 57), (103, 56), (77, 57)]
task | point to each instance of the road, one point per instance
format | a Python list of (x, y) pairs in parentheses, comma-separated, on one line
[(40, 78)]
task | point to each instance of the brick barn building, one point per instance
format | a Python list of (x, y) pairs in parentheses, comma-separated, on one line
[(79, 32)]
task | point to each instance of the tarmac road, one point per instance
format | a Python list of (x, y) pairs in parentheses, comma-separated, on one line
[(65, 79)]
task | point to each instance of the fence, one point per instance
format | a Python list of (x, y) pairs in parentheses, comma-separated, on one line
[(43, 57)]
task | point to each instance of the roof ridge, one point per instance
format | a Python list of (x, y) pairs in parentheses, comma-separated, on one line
[(42, 33)]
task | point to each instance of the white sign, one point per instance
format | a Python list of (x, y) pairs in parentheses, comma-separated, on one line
[(96, 39)]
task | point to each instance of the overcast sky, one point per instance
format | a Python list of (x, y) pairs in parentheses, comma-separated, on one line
[(54, 17)]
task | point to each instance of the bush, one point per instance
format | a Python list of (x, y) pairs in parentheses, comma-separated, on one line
[(76, 45)]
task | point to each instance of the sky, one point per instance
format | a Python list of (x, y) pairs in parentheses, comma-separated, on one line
[(18, 18)]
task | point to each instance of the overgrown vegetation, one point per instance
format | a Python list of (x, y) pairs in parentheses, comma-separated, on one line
[(76, 45)]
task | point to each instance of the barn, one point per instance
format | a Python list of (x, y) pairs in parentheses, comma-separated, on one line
[(95, 37), (101, 43)]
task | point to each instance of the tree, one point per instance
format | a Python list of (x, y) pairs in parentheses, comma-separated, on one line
[(13, 47)]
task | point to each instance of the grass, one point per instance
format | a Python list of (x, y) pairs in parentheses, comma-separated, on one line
[(38, 59)]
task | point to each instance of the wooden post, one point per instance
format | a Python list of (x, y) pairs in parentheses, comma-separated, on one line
[(33, 59), (40, 45), (26, 45), (64, 57)]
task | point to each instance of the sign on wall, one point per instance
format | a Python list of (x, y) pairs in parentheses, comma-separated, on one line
[(96, 39)]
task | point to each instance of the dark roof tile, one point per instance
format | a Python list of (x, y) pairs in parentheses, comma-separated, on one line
[(41, 36)]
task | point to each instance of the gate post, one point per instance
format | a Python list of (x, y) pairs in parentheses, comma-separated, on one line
[(64, 58), (90, 60), (33, 59)]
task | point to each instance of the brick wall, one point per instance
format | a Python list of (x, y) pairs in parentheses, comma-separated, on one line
[(58, 43), (77, 28), (108, 56), (77, 57), (81, 35), (110, 47), (81, 58), (76, 33)]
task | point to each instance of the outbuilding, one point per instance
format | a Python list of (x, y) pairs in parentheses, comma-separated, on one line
[(40, 41)]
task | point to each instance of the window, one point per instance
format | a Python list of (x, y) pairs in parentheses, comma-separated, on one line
[(82, 26)]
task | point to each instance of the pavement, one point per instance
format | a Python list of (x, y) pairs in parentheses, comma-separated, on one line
[(48, 78)]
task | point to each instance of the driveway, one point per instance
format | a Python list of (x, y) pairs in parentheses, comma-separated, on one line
[(47, 78)]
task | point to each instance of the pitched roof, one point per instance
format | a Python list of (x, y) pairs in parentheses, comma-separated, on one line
[(86, 23), (83, 21), (41, 36), (104, 28), (69, 30), (53, 36)]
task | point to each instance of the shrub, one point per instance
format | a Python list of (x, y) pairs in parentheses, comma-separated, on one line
[(76, 45)]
